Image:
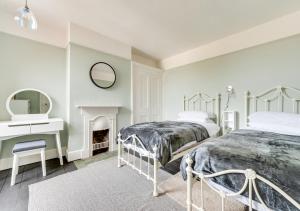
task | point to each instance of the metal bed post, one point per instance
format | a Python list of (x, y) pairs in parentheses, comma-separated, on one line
[(218, 112), (247, 110), (119, 150), (189, 170), (155, 193)]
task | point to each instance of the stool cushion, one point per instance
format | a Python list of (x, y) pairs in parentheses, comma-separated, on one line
[(29, 145)]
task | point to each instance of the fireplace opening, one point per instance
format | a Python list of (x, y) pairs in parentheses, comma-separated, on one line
[(100, 141)]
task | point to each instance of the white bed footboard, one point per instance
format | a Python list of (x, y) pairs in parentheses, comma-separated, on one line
[(250, 184), (136, 147)]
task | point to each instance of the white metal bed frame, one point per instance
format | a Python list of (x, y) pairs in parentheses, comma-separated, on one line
[(280, 94), (136, 146)]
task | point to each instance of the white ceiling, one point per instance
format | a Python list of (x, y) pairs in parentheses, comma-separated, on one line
[(159, 28)]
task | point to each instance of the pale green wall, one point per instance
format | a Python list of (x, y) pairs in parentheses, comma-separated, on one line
[(84, 92), (254, 69), (29, 64)]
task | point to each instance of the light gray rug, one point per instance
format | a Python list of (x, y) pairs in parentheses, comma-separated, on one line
[(99, 186)]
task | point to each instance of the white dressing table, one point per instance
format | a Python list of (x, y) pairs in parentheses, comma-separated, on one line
[(29, 124), (12, 129)]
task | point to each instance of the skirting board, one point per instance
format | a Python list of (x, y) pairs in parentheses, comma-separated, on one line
[(6, 163), (74, 155), (78, 154)]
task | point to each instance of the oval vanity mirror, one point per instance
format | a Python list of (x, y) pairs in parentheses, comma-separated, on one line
[(28, 104), (103, 75)]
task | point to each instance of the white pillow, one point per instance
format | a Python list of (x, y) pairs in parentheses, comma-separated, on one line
[(196, 115), (279, 118), (196, 120)]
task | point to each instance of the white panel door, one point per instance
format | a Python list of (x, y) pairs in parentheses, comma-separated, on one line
[(141, 97), (155, 97), (147, 92)]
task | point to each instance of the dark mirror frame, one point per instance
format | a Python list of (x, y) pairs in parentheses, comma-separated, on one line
[(93, 79)]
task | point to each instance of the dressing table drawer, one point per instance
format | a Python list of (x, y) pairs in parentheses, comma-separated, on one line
[(47, 126), (14, 129)]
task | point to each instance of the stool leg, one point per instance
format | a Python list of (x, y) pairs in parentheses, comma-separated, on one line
[(43, 162), (15, 170)]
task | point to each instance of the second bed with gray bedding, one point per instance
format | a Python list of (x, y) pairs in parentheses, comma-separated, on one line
[(273, 156)]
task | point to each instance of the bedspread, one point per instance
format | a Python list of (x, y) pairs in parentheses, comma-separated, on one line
[(168, 136), (273, 156)]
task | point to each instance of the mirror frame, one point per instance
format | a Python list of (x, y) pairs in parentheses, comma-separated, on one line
[(27, 116), (91, 69)]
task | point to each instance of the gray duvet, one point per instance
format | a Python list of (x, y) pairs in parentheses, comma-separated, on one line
[(273, 156), (169, 136)]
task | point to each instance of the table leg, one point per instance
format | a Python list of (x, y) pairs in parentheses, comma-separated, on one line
[(15, 169), (43, 162), (58, 145)]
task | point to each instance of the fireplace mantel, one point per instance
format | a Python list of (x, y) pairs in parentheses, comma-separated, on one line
[(97, 108), (90, 114)]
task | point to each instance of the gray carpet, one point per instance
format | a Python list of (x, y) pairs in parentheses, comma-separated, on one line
[(99, 186), (172, 167)]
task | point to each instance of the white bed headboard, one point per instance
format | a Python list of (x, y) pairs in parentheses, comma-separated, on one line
[(203, 102), (279, 95)]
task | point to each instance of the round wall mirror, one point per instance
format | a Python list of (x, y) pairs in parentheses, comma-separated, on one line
[(28, 102), (103, 75)]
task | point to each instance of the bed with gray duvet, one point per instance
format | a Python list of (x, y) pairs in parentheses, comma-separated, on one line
[(168, 136), (273, 156)]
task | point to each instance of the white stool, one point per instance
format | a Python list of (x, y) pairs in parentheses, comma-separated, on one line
[(25, 149)]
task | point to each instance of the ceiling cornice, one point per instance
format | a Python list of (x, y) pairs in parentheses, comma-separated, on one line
[(276, 29), (88, 38)]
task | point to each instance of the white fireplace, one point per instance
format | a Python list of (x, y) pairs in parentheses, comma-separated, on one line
[(98, 118)]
